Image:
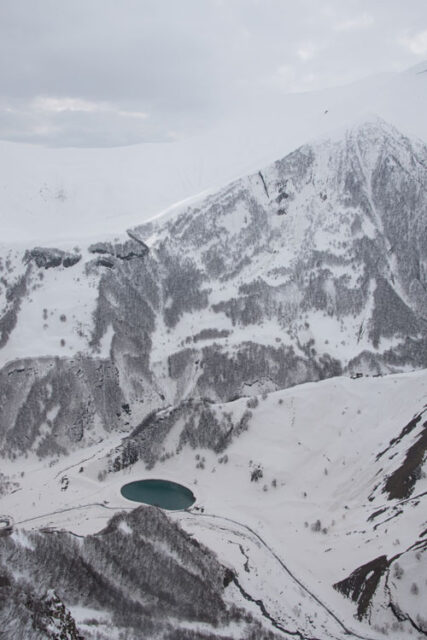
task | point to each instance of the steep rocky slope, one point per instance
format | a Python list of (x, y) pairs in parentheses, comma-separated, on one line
[(310, 268)]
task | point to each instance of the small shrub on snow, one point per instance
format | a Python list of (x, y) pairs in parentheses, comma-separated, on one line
[(398, 571), (252, 403), (316, 526), (201, 463), (256, 474)]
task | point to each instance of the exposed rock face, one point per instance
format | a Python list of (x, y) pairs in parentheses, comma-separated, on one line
[(386, 590), (51, 618), (125, 251), (52, 405), (360, 586), (401, 483), (101, 247), (46, 258), (142, 576), (15, 291), (314, 267)]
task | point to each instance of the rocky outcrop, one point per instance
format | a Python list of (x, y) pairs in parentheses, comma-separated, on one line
[(47, 258), (387, 591), (14, 294), (123, 251), (198, 424), (53, 405)]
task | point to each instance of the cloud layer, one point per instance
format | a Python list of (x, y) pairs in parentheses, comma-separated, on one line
[(101, 72)]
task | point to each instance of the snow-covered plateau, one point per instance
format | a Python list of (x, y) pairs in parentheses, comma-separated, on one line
[(265, 345)]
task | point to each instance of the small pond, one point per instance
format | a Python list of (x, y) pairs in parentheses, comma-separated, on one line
[(160, 493)]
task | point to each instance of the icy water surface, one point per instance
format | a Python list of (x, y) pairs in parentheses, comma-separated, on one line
[(160, 493)]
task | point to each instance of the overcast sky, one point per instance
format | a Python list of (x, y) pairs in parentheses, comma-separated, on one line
[(107, 72)]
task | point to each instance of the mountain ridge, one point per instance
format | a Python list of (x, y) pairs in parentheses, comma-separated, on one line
[(312, 267)]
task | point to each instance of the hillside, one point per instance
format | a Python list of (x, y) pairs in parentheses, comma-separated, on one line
[(264, 345), (310, 268), (324, 478)]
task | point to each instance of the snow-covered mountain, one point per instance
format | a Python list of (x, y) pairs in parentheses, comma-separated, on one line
[(310, 268), (184, 339), (54, 194)]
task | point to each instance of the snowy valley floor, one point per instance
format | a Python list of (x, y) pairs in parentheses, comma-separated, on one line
[(318, 510)]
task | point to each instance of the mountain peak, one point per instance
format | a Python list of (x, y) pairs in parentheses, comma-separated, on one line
[(369, 125)]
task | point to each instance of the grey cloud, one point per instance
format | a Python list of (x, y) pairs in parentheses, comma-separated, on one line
[(185, 63)]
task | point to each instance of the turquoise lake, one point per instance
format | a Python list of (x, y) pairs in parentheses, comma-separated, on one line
[(159, 493)]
